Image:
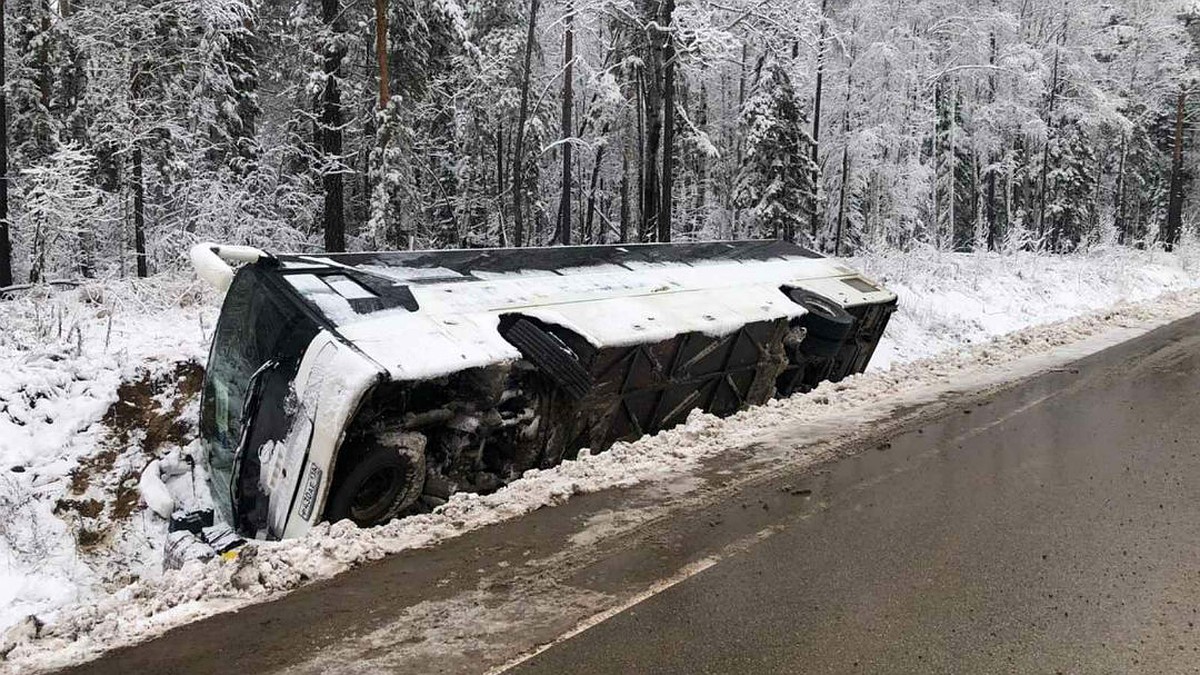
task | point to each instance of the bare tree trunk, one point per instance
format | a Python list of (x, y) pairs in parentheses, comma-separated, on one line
[(591, 202), (624, 233), (1046, 150), (580, 215), (605, 207), (975, 205), (381, 52), (937, 164), (500, 184), (499, 162), (653, 107), (1122, 225), (1175, 208), (837, 242), (331, 130), (139, 213), (568, 105), (668, 114), (652, 103), (993, 226), (392, 233), (816, 128), (993, 234), (701, 194), (518, 161), (45, 76), (641, 155), (735, 219), (841, 221), (37, 250), (6, 272), (136, 80), (1010, 166), (953, 159)]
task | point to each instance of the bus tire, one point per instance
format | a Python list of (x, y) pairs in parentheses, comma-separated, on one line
[(384, 479)]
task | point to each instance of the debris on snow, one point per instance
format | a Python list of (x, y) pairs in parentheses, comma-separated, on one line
[(154, 491)]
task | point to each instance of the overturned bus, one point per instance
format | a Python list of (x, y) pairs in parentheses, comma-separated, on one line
[(369, 386)]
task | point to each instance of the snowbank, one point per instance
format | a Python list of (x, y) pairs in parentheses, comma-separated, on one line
[(949, 302)]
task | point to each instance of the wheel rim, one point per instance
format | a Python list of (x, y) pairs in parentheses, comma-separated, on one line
[(822, 308), (376, 493)]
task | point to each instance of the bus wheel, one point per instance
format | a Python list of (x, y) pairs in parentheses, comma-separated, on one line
[(386, 477), (826, 320)]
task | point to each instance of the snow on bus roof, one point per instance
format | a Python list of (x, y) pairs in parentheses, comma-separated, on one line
[(456, 325), (609, 295)]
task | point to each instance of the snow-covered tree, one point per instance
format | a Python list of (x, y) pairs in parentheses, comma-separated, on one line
[(950, 123), (775, 184), (62, 210)]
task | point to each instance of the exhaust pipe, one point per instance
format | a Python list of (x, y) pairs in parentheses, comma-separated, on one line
[(211, 262)]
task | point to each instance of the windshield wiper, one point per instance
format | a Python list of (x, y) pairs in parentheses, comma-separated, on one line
[(249, 410)]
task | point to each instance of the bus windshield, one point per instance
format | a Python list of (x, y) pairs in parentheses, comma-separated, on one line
[(257, 325)]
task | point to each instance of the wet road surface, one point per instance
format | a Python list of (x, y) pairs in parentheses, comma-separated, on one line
[(1053, 526), (1054, 529)]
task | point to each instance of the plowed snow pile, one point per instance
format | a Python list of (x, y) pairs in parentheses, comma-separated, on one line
[(98, 382)]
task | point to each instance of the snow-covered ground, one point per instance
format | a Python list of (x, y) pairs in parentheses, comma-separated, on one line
[(71, 526), (98, 382), (951, 300)]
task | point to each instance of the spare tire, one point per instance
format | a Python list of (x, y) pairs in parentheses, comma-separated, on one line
[(383, 479), (550, 355), (826, 319), (821, 349)]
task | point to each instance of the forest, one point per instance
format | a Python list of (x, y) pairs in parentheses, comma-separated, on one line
[(132, 129)]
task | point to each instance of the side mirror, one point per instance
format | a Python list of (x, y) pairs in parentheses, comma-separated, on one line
[(211, 262)]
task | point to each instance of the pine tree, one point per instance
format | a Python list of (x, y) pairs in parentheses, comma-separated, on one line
[(34, 133), (775, 183), (1070, 184), (227, 107)]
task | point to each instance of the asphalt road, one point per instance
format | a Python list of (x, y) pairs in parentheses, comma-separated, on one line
[(1054, 530), (1052, 526)]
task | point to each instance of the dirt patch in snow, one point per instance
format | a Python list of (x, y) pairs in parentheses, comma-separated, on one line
[(147, 416), (138, 410)]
